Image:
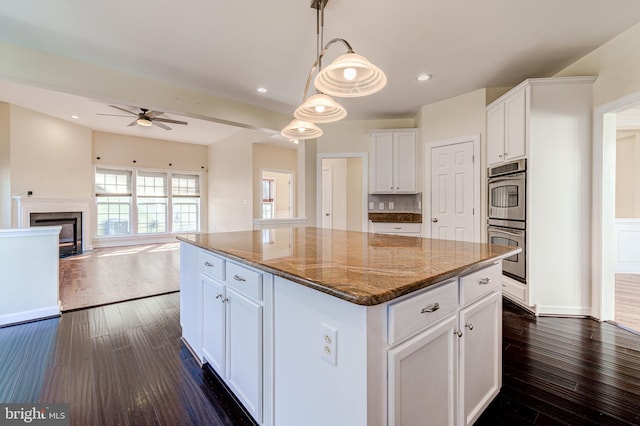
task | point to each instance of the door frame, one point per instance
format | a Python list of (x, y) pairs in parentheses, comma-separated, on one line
[(477, 184), (322, 205), (365, 183), (603, 218)]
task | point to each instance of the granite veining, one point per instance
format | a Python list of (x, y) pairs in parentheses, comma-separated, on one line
[(359, 267)]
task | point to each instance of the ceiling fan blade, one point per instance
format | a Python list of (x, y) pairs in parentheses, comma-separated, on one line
[(161, 125), (133, 123), (122, 109), (152, 114), (113, 115), (167, 120)]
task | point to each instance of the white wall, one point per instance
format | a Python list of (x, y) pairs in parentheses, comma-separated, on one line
[(49, 156), (354, 194), (5, 167), (231, 182)]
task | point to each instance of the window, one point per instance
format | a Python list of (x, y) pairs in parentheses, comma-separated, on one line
[(186, 202), (152, 202), (113, 200), (147, 196), (267, 198)]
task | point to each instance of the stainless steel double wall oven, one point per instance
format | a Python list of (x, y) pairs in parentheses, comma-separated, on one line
[(507, 216)]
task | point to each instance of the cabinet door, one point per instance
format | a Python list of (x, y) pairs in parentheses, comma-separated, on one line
[(382, 163), (422, 376), (515, 125), (495, 134), (244, 351), (480, 356), (213, 346), (405, 162), (191, 298)]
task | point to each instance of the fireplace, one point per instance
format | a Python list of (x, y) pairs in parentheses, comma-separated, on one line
[(71, 233)]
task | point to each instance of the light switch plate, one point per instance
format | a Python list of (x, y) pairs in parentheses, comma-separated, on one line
[(380, 206), (372, 205), (391, 205)]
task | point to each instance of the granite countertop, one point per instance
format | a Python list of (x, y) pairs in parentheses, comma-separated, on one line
[(359, 267), (396, 217)]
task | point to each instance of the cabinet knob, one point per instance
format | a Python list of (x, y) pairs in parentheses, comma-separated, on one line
[(500, 155), (434, 220), (430, 309), (485, 281), (391, 187), (469, 325)]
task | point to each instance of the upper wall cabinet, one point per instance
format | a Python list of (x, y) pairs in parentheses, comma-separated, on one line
[(507, 127), (393, 161)]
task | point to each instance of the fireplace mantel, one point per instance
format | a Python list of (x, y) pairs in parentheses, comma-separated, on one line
[(24, 206)]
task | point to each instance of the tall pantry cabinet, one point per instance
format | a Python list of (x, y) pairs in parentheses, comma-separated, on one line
[(548, 121)]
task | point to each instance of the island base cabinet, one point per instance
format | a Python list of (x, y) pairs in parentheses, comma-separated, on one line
[(423, 377), (244, 351), (480, 356), (191, 299), (214, 336)]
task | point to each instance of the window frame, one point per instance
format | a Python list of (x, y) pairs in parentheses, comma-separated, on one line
[(133, 229)]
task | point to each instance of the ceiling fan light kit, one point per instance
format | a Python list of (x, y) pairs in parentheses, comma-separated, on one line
[(349, 76), (146, 118)]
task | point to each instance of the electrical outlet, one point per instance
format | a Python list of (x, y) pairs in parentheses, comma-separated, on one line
[(329, 344), (372, 205), (380, 206), (391, 205)]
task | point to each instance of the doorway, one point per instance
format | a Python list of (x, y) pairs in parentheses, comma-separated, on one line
[(342, 191), (453, 181), (610, 241), (277, 194)]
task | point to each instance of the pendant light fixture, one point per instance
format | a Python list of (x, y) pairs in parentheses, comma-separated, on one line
[(350, 75)]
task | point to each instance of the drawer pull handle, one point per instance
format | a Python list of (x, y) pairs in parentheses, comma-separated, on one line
[(238, 278), (457, 333), (469, 325), (208, 264), (397, 227), (222, 298), (504, 285), (430, 309), (485, 281)]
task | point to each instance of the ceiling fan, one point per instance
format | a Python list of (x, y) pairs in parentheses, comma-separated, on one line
[(145, 117)]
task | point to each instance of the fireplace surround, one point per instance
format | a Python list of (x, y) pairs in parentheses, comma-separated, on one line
[(70, 237)]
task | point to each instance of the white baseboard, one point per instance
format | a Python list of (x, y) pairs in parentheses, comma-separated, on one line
[(563, 311), (34, 314)]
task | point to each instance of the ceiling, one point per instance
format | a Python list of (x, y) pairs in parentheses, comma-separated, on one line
[(230, 48)]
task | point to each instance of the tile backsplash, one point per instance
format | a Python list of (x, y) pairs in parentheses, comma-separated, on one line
[(397, 203)]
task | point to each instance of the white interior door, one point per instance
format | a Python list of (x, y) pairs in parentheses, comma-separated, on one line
[(326, 198), (452, 192)]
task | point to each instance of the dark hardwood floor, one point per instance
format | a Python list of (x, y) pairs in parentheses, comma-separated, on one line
[(124, 364)]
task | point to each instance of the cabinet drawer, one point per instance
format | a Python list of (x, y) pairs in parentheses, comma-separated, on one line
[(416, 313), (396, 228), (244, 280), (479, 283), (211, 265)]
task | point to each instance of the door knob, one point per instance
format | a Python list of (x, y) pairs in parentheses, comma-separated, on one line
[(434, 220)]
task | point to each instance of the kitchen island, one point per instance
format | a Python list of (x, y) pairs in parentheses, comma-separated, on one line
[(316, 326)]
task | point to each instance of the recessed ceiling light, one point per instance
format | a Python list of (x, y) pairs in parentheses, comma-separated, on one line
[(75, 116), (262, 89), (424, 77)]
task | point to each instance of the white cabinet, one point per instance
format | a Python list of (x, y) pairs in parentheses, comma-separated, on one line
[(548, 121), (191, 299), (222, 311), (214, 324), (244, 351), (507, 127), (459, 356), (393, 161), (480, 356), (407, 229), (423, 377)]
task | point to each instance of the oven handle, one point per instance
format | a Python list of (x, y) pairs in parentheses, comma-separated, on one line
[(515, 234), (508, 177)]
